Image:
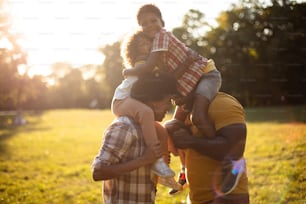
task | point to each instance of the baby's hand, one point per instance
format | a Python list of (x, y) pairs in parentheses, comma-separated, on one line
[(125, 72)]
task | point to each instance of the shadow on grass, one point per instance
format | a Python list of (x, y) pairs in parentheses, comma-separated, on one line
[(9, 130), (278, 114)]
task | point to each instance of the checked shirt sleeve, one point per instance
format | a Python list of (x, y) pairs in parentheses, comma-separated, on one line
[(118, 140)]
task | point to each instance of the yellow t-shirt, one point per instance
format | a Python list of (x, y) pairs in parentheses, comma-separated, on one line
[(203, 173)]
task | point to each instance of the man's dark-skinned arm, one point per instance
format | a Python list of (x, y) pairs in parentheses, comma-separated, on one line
[(105, 172), (231, 138)]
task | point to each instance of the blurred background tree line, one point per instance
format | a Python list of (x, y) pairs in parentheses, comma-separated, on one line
[(260, 51)]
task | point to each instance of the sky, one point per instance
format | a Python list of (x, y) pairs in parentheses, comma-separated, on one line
[(73, 30)]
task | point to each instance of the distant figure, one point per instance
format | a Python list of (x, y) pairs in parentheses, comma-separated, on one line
[(283, 100), (93, 104), (19, 120)]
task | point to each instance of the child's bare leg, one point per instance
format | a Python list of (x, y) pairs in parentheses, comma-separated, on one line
[(163, 138), (182, 175), (172, 126), (200, 116), (145, 117), (152, 132), (181, 154), (142, 114)]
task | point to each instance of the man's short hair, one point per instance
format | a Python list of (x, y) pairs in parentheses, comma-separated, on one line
[(154, 88)]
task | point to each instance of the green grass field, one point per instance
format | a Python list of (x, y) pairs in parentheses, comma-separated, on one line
[(48, 160)]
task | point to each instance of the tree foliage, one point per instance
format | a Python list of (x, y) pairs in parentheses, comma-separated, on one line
[(112, 66), (73, 89), (259, 49), (11, 56)]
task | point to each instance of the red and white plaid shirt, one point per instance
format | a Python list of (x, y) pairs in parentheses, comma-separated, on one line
[(123, 141), (176, 53)]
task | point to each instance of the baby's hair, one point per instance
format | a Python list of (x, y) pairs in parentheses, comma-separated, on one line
[(129, 48), (149, 8)]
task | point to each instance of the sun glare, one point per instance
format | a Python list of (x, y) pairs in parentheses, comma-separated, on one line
[(63, 31)]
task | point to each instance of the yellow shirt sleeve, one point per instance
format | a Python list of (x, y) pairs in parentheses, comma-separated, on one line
[(225, 110)]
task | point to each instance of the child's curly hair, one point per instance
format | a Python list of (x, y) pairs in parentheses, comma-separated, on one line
[(129, 48)]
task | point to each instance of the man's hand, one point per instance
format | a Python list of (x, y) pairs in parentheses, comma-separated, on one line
[(105, 172), (156, 150), (149, 156), (182, 139), (174, 125)]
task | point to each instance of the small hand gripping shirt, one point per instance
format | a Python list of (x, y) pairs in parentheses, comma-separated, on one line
[(176, 53), (123, 141)]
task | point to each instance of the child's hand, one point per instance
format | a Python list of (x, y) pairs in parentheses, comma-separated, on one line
[(124, 72)]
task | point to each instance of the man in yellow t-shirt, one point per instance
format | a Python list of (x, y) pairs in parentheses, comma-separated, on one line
[(205, 157)]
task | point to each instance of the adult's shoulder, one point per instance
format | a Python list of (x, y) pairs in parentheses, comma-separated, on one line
[(122, 133), (225, 99), (125, 120), (124, 124), (226, 110)]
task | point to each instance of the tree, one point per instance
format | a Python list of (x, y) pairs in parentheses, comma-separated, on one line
[(259, 51), (111, 69), (68, 91), (191, 32), (39, 98), (11, 57)]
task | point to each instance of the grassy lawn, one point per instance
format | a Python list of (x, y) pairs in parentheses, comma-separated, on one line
[(48, 160)]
